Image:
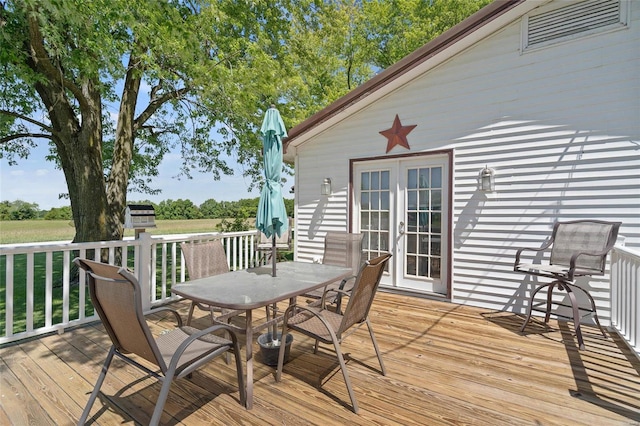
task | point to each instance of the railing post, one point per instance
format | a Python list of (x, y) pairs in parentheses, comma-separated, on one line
[(143, 269)]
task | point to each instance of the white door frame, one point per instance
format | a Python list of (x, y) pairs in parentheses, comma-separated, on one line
[(394, 275)]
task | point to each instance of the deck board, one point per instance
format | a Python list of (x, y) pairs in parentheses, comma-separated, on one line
[(446, 364)]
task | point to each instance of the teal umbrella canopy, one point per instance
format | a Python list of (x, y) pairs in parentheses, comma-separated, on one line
[(272, 214)]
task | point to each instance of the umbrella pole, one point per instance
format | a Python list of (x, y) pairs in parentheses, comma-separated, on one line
[(273, 255)]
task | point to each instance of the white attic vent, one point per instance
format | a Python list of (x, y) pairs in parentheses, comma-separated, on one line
[(572, 21)]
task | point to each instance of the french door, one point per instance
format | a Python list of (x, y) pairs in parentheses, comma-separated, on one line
[(399, 206)]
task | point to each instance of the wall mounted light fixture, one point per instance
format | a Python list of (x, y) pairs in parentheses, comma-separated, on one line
[(487, 179), (325, 186)]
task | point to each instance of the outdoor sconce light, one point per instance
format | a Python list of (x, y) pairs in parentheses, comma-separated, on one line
[(487, 179), (325, 187)]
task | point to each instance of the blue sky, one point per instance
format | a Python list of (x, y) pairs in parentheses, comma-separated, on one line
[(36, 180)]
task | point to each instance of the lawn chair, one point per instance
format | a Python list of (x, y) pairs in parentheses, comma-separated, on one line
[(205, 259), (577, 248), (340, 249), (330, 327), (283, 244), (116, 297)]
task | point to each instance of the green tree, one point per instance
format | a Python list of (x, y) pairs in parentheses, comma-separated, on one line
[(20, 210), (113, 85), (5, 208), (59, 213), (178, 209), (210, 209), (395, 28), (196, 76)]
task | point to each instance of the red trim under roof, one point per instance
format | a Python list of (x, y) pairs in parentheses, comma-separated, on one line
[(438, 44)]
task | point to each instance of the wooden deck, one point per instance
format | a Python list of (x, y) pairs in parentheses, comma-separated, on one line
[(446, 364)]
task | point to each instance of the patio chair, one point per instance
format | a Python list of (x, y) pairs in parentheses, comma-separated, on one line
[(340, 249), (283, 243), (576, 249), (205, 259), (116, 297), (330, 327)]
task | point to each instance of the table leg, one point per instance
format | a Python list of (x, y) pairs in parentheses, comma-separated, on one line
[(249, 349)]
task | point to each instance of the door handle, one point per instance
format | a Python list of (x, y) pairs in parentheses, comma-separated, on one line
[(401, 228)]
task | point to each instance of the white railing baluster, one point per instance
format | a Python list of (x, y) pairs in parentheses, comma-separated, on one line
[(625, 295), (29, 287), (9, 306), (240, 247), (66, 275), (48, 294)]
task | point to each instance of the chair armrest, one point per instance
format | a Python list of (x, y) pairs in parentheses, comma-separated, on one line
[(520, 250), (574, 259), (338, 291), (166, 309), (344, 281), (316, 313), (195, 336)]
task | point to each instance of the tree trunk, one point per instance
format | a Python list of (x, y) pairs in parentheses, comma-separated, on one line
[(78, 140)]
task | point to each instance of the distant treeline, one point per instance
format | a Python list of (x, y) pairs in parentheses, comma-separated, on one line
[(168, 209)]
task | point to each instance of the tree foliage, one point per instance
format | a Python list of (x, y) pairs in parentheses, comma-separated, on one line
[(114, 85), (18, 210)]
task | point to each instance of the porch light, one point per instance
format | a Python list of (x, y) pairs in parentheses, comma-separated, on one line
[(487, 179), (325, 187)]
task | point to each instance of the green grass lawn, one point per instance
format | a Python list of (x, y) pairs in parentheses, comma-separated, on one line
[(32, 231)]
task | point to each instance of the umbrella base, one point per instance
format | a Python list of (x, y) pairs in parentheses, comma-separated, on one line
[(269, 352)]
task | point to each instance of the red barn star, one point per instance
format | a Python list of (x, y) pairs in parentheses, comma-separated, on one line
[(397, 134)]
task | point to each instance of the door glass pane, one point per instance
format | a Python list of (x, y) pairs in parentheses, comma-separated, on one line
[(384, 200), (364, 201), (384, 179), (375, 221), (435, 223), (412, 179), (436, 200), (412, 200), (423, 218), (411, 244), (435, 267), (424, 178), (384, 220), (424, 200), (412, 222), (375, 180), (364, 182), (384, 241), (364, 220), (436, 177), (374, 212), (410, 262)]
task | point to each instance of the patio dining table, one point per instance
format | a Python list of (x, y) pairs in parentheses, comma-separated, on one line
[(255, 288)]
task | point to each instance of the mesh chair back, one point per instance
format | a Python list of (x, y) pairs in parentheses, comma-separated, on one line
[(115, 294), (283, 242), (343, 249), (204, 259), (580, 237), (363, 292)]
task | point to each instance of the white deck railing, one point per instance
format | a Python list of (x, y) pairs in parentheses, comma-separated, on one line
[(57, 303), (625, 295), (38, 303)]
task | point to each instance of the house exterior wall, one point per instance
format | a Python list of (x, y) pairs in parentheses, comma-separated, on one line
[(560, 125)]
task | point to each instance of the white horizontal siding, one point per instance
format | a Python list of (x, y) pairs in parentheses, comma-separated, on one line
[(560, 125)]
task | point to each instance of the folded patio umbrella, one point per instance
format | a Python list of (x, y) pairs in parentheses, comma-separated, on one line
[(271, 218)]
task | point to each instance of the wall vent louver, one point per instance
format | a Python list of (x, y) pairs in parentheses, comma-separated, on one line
[(568, 22)]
